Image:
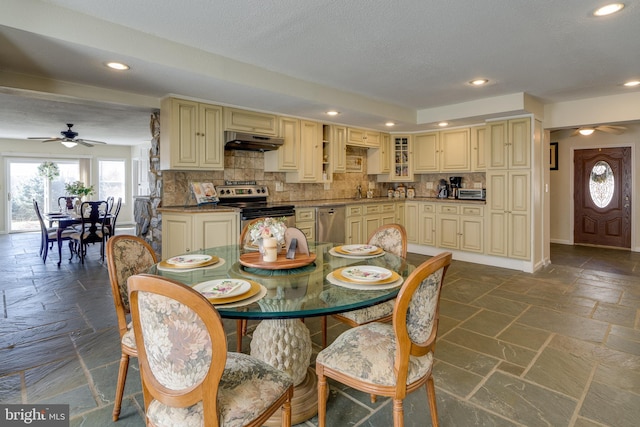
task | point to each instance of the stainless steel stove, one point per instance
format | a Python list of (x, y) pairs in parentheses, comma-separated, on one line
[(252, 200)]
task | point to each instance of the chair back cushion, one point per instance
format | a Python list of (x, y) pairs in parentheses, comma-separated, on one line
[(177, 344), (422, 307), (392, 238)]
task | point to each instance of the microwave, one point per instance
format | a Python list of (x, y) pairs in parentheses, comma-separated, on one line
[(472, 193)]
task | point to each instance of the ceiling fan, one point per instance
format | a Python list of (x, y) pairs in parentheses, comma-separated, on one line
[(588, 130), (69, 138)]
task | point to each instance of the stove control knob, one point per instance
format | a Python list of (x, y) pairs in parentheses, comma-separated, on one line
[(250, 191)]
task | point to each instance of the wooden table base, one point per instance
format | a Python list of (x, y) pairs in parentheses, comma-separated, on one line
[(304, 404)]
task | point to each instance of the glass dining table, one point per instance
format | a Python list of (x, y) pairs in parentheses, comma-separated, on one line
[(284, 296)]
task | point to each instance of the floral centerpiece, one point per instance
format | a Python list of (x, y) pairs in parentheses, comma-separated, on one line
[(78, 188), (268, 227)]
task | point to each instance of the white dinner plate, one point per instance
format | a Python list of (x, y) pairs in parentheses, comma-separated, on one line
[(359, 249), (189, 260), (222, 288), (366, 273)]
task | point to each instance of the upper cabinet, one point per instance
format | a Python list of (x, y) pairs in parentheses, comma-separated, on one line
[(250, 121), (401, 153), (334, 151), (287, 157), (191, 136), (425, 156), (363, 138), (509, 144), (455, 150), (379, 159), (478, 151), (310, 161)]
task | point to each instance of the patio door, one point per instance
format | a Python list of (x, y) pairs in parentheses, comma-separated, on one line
[(25, 184)]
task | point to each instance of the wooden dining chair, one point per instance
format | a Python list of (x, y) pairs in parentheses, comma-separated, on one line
[(188, 377), (110, 222), (49, 235), (91, 228), (391, 238), (126, 255), (391, 359)]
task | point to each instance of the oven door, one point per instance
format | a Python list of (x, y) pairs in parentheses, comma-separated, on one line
[(286, 212)]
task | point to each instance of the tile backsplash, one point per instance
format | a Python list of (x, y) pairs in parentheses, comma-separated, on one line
[(249, 166)]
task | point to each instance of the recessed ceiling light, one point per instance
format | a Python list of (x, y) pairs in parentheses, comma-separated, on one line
[(608, 9), (586, 131), (443, 124), (478, 82), (333, 113), (117, 66), (389, 124), (632, 83)]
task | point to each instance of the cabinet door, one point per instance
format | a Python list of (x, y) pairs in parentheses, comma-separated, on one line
[(471, 234), (497, 204), (353, 232), (478, 151), (210, 137), (286, 157), (372, 139), (400, 213), (427, 229), (411, 218), (455, 150), (183, 134), (177, 232), (370, 224), (215, 229), (311, 150), (447, 231), (519, 227), (401, 168), (339, 148), (519, 143), (497, 149), (356, 137), (385, 151), (250, 121), (425, 152)]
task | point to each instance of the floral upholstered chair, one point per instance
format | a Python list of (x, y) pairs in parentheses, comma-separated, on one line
[(126, 256), (391, 238), (188, 378), (391, 359)]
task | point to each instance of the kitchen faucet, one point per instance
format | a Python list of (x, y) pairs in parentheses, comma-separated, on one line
[(359, 192)]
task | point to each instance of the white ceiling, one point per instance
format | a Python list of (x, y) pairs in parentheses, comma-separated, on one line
[(372, 60)]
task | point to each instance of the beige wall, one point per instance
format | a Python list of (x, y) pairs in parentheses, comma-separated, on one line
[(53, 150), (561, 181)]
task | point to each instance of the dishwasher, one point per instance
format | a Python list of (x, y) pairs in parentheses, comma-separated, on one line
[(330, 226)]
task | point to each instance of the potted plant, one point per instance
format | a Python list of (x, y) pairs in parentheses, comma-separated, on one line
[(78, 189)]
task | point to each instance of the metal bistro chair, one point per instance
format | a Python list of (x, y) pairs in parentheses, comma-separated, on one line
[(391, 360), (188, 377)]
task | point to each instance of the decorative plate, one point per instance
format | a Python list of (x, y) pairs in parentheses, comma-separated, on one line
[(359, 249), (366, 273), (222, 288), (189, 260)]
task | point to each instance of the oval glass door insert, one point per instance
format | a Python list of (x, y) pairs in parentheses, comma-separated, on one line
[(601, 184)]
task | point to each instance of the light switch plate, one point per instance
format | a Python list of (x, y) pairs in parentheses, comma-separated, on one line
[(279, 186), (429, 185)]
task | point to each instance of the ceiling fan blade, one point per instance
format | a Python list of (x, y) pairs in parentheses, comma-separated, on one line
[(562, 134), (42, 137), (83, 142), (616, 130), (91, 141), (52, 140)]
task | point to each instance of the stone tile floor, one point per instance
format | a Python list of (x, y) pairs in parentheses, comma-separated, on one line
[(557, 348)]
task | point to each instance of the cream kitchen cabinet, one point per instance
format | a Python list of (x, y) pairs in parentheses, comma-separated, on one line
[(287, 157), (460, 227), (509, 144), (306, 222), (425, 157), (376, 215), (400, 213), (401, 159), (455, 150), (508, 217), (250, 121), (379, 159), (338, 148), (478, 148), (188, 232), (411, 221), (191, 136), (427, 224), (310, 161), (353, 224), (363, 138)]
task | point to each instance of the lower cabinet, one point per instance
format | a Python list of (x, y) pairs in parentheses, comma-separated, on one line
[(188, 232), (353, 225), (306, 222), (460, 227)]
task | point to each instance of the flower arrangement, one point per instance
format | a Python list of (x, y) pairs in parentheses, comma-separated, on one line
[(77, 188), (48, 170), (268, 227)]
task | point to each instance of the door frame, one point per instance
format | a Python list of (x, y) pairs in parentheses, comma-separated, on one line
[(635, 242)]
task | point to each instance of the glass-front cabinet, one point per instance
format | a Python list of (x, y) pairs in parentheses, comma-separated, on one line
[(401, 169)]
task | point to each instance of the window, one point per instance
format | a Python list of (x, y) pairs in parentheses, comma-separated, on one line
[(111, 178), (601, 184)]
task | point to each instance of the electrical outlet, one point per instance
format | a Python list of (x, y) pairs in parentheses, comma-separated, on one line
[(429, 185), (327, 186), (279, 186), (477, 185)]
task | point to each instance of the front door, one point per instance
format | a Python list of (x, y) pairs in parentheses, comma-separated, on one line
[(602, 201)]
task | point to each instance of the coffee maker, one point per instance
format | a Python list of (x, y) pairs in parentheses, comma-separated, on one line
[(443, 189), (456, 183)]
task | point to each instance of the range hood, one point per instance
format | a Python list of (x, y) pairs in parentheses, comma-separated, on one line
[(250, 142)]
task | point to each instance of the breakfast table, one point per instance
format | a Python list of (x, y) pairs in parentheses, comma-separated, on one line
[(331, 279), (64, 220)]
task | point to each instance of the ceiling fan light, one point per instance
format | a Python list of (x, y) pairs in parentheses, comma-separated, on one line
[(586, 131), (608, 9), (69, 144)]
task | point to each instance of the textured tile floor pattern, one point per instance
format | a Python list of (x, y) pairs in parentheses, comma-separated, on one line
[(557, 348)]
